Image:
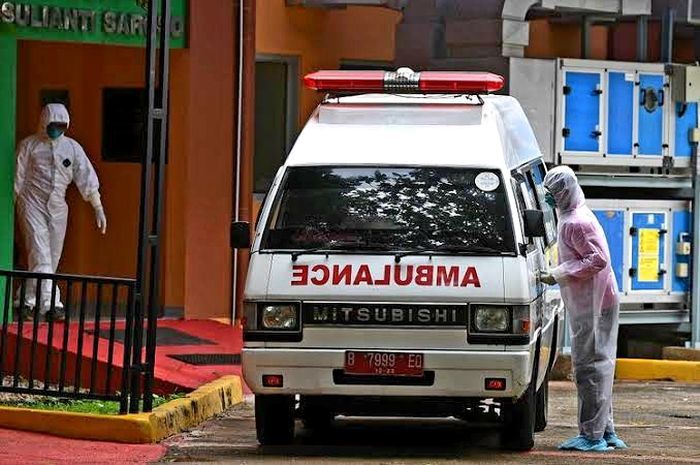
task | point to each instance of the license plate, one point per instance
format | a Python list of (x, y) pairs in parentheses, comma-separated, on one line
[(383, 363)]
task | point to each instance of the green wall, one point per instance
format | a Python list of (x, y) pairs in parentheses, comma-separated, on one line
[(8, 78)]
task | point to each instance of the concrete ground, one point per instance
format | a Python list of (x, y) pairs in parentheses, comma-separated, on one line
[(660, 421)]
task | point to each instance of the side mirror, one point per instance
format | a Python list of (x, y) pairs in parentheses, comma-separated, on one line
[(534, 223), (240, 235)]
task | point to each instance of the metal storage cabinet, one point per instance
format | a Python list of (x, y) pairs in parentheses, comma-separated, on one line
[(614, 114), (620, 114), (650, 254)]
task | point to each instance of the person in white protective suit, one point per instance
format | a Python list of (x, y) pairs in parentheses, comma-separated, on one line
[(47, 163), (589, 292)]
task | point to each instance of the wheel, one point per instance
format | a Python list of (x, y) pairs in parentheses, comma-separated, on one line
[(274, 419), (519, 431), (542, 405)]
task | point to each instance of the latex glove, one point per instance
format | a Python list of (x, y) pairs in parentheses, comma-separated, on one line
[(547, 278), (101, 219), (96, 202)]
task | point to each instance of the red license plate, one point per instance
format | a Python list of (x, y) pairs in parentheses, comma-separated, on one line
[(383, 363)]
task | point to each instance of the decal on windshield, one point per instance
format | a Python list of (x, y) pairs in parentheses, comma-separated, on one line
[(487, 181)]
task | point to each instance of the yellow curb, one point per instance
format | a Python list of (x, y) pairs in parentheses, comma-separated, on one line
[(168, 419), (649, 370)]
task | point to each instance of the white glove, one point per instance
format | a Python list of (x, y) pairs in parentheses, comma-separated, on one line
[(100, 217)]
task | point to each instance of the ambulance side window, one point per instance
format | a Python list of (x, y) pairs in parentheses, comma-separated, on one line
[(536, 180), (520, 195), (528, 190)]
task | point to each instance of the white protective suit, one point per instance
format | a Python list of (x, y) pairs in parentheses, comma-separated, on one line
[(589, 292), (45, 169)]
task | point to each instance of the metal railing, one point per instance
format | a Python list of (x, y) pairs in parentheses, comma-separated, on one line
[(67, 335)]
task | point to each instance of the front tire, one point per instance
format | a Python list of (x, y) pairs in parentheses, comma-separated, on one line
[(274, 419), (519, 431), (542, 405)]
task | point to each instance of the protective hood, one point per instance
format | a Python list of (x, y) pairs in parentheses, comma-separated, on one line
[(562, 183), (53, 113)]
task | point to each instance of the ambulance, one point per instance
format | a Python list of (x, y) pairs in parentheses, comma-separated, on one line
[(394, 269)]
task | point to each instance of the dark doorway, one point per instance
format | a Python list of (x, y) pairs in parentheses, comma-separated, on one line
[(276, 114)]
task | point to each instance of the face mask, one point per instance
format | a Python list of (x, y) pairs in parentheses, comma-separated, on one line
[(54, 132), (549, 198)]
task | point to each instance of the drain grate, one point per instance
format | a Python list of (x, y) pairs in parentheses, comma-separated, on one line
[(208, 359)]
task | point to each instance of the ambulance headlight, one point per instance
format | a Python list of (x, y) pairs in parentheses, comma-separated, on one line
[(272, 322), (279, 316), (491, 319)]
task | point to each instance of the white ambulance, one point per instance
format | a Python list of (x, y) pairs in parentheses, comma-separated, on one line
[(395, 265)]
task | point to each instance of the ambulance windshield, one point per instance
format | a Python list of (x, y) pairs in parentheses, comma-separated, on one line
[(391, 209)]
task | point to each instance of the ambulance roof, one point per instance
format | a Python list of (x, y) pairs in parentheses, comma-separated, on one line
[(415, 130)]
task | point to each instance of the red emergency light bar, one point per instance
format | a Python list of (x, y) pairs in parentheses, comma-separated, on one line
[(404, 80)]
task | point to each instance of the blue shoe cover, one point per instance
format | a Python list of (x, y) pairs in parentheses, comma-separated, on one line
[(570, 442), (585, 445), (614, 441)]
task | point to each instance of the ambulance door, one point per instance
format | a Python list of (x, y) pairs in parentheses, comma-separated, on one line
[(547, 297), (536, 258)]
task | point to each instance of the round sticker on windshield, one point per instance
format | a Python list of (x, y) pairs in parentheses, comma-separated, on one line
[(487, 182)]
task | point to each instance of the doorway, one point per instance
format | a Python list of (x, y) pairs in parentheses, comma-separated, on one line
[(276, 117)]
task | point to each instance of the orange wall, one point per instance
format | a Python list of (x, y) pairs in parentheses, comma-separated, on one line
[(321, 38), (207, 118), (550, 40), (199, 174)]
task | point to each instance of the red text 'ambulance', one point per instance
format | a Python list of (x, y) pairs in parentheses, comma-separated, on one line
[(362, 275)]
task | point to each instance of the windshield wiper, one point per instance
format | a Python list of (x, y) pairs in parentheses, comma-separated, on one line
[(332, 245), (447, 248)]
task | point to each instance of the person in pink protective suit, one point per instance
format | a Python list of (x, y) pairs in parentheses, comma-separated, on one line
[(589, 292)]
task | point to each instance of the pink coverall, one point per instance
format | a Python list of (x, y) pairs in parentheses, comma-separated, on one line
[(589, 292)]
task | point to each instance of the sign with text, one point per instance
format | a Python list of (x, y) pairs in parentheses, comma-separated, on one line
[(116, 22)]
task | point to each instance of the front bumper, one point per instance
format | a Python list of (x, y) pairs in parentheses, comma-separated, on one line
[(456, 373)]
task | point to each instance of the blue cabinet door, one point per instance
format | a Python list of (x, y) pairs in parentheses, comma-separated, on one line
[(613, 223), (620, 114), (686, 116), (652, 98), (682, 224), (582, 112), (648, 254)]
